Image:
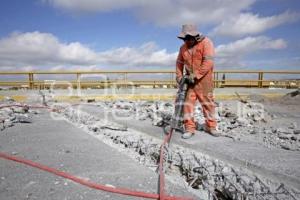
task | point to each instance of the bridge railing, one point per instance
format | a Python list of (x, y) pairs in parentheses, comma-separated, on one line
[(159, 78)]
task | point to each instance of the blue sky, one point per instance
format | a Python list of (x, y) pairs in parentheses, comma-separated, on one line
[(141, 34)]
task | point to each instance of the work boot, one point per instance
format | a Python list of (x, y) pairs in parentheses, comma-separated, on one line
[(213, 131), (187, 135)]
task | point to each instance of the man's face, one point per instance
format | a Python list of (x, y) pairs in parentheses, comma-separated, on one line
[(190, 41)]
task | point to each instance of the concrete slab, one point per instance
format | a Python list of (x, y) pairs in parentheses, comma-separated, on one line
[(276, 164), (60, 145)]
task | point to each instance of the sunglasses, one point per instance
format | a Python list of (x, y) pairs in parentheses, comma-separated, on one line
[(187, 38)]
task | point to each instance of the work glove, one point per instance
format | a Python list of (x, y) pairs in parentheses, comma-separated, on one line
[(189, 79)]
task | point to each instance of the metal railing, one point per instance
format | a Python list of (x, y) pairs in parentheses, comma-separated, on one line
[(127, 79)]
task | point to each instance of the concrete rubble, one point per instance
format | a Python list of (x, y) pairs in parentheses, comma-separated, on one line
[(247, 121), (92, 123), (201, 172), (12, 112), (240, 121)]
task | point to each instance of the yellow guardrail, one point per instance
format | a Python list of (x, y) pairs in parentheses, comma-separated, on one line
[(32, 79)]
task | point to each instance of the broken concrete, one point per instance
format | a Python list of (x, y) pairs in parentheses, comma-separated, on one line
[(11, 113), (235, 120), (274, 124), (200, 171), (61, 145)]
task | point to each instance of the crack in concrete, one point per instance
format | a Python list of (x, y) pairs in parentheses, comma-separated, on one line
[(200, 171)]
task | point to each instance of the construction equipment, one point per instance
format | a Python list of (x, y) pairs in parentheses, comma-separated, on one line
[(177, 118), (176, 122)]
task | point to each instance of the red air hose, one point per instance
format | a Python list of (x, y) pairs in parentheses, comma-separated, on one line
[(24, 106), (29, 106), (124, 191), (86, 182), (161, 166)]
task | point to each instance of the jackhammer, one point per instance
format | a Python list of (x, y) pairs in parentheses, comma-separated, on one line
[(176, 122)]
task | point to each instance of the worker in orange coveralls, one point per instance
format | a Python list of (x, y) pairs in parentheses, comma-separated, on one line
[(195, 62)]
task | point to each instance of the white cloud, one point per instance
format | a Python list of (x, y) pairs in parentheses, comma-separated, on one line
[(231, 17), (162, 12), (44, 49), (247, 23), (94, 5), (233, 53), (202, 12), (35, 50), (146, 55)]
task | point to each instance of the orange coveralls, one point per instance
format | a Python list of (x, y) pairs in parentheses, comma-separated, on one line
[(199, 61)]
